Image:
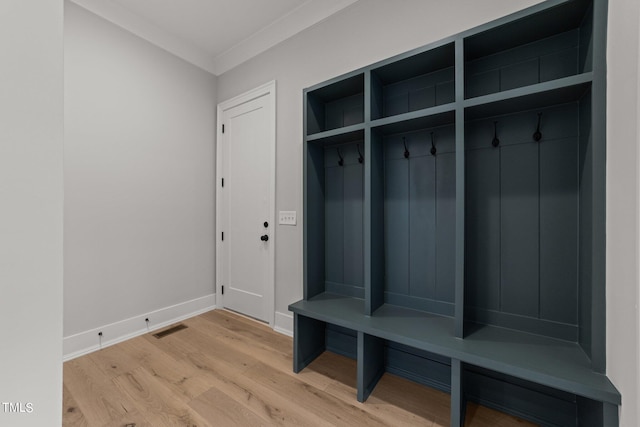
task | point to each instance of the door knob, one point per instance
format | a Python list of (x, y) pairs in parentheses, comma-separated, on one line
[(264, 238)]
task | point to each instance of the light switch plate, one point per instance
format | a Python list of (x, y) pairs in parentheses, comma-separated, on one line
[(287, 218)]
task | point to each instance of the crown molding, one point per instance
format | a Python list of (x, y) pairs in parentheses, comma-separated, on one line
[(306, 15), (143, 28), (299, 19)]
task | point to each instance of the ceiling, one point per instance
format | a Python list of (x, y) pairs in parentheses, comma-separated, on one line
[(215, 35)]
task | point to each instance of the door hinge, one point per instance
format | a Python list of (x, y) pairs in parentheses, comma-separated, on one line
[(223, 236), (222, 128), (222, 289)]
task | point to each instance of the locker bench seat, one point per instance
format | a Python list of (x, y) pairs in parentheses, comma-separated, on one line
[(550, 362)]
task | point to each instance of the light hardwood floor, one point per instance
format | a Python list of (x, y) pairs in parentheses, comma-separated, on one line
[(226, 370)]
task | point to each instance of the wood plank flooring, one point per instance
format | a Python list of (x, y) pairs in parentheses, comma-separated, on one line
[(226, 370)]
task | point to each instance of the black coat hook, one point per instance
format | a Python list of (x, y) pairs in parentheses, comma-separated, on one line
[(341, 161), (495, 142), (360, 158), (406, 152), (537, 135), (433, 146)]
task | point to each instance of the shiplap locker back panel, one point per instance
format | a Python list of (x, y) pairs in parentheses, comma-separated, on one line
[(522, 221), (344, 244), (419, 219)]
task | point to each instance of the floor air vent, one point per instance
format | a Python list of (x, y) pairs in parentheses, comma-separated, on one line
[(170, 331)]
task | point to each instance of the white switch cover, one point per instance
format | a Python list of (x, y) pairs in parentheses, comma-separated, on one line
[(287, 218)]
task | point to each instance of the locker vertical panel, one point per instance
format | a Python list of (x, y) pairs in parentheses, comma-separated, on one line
[(422, 226), (598, 126), (377, 100), (314, 223), (460, 194), (585, 272), (374, 158), (445, 227), (334, 220), (519, 230), (396, 222), (309, 341), (353, 225), (482, 229), (559, 230), (458, 401), (586, 45), (370, 364)]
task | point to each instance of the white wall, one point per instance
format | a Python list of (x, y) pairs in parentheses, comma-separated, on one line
[(372, 30), (139, 178), (638, 244), (623, 331), (31, 197)]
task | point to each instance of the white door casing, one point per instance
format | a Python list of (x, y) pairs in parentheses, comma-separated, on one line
[(245, 264)]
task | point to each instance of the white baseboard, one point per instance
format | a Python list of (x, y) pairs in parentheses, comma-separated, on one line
[(87, 342), (284, 323)]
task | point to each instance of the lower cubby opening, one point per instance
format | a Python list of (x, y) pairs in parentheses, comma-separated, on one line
[(413, 403), (474, 388), (539, 404), (536, 403), (376, 356), (419, 366), (341, 341), (416, 365)]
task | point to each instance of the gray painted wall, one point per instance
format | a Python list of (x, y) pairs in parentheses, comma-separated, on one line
[(31, 196), (139, 176), (623, 296), (369, 31)]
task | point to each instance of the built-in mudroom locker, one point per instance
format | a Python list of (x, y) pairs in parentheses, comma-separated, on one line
[(454, 218)]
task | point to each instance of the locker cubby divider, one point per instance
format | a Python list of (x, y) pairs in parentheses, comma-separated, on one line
[(454, 218)]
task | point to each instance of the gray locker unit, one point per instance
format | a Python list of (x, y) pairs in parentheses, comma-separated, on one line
[(454, 218)]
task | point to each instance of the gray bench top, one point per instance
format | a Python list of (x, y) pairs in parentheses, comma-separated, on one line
[(555, 363)]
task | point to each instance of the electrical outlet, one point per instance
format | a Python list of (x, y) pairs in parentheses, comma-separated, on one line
[(287, 218)]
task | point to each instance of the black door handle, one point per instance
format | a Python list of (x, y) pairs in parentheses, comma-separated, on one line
[(264, 238)]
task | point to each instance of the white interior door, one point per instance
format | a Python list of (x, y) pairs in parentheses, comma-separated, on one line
[(246, 238)]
